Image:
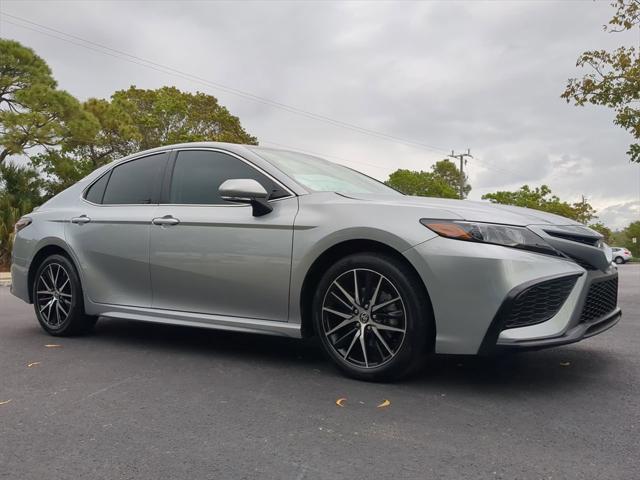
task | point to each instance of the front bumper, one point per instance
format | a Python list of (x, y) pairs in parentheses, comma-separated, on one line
[(468, 284), (584, 314), (574, 334)]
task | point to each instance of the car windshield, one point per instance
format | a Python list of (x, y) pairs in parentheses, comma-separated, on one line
[(320, 175)]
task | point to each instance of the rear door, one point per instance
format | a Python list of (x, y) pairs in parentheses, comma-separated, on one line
[(109, 232), (214, 257)]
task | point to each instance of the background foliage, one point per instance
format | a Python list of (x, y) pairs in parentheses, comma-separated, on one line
[(58, 140), (541, 198), (613, 79), (49, 139), (441, 181), (624, 237)]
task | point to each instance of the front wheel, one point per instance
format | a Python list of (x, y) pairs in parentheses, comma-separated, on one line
[(372, 317), (619, 260), (58, 300)]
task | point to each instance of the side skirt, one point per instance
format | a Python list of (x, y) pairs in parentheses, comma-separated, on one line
[(188, 319)]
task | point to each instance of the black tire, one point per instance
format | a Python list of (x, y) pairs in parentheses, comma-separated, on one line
[(61, 312), (384, 355), (619, 260)]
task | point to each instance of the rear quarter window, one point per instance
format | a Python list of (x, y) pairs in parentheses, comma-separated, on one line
[(95, 192), (137, 181)]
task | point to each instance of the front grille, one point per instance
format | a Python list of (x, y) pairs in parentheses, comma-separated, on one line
[(583, 263), (587, 240), (602, 299), (540, 302)]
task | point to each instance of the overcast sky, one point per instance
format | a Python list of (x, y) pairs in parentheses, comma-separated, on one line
[(450, 75)]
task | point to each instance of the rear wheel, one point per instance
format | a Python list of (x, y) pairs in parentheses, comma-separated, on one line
[(58, 300), (619, 260), (373, 320)]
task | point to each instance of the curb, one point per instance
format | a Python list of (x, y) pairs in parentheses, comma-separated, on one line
[(5, 279)]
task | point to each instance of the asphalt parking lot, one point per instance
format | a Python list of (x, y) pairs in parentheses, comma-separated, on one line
[(157, 402)]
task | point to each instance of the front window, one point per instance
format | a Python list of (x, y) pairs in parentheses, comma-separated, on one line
[(321, 175), (198, 174)]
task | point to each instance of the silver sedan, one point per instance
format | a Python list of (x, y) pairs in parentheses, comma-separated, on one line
[(246, 238)]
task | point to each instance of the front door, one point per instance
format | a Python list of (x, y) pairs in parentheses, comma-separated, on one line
[(214, 257)]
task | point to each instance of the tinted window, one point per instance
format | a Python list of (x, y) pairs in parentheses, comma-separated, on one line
[(198, 174), (137, 181), (96, 191)]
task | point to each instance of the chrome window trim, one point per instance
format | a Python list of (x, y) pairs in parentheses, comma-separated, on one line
[(242, 159), (231, 204), (109, 170), (178, 150)]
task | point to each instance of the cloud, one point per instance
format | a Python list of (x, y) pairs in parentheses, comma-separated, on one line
[(452, 75), (620, 215)]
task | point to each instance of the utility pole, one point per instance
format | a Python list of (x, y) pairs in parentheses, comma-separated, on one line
[(461, 157), (583, 213)]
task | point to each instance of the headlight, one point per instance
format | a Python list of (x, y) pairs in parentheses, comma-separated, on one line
[(505, 235)]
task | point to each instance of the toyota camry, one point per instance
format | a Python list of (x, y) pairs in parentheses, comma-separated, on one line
[(260, 240)]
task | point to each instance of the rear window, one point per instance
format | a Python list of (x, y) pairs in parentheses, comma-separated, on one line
[(137, 181)]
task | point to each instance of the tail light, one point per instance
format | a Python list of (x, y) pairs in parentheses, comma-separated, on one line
[(22, 223)]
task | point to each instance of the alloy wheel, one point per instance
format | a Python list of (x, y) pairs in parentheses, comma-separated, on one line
[(364, 318), (54, 295)]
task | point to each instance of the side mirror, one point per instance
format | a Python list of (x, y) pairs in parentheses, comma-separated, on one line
[(246, 190)]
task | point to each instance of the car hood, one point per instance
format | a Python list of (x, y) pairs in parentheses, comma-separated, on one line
[(471, 210)]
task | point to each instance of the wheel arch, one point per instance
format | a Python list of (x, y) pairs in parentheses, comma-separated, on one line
[(341, 250), (44, 251)]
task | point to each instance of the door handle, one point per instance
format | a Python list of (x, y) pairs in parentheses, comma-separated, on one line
[(166, 220), (81, 220)]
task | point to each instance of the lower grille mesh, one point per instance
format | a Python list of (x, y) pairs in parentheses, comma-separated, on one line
[(602, 298), (540, 302)]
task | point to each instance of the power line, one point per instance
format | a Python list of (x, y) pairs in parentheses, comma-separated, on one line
[(125, 56), (341, 159), (491, 166)]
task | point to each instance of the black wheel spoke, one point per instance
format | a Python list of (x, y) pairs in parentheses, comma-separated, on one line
[(45, 284), (379, 350), (64, 284), (51, 277), (363, 318), (350, 307), (53, 295), (350, 332), (353, 342)]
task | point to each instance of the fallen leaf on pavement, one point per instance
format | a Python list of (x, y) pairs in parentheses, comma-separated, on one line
[(53, 345), (33, 364), (5, 402), (340, 401), (565, 364), (384, 404)]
